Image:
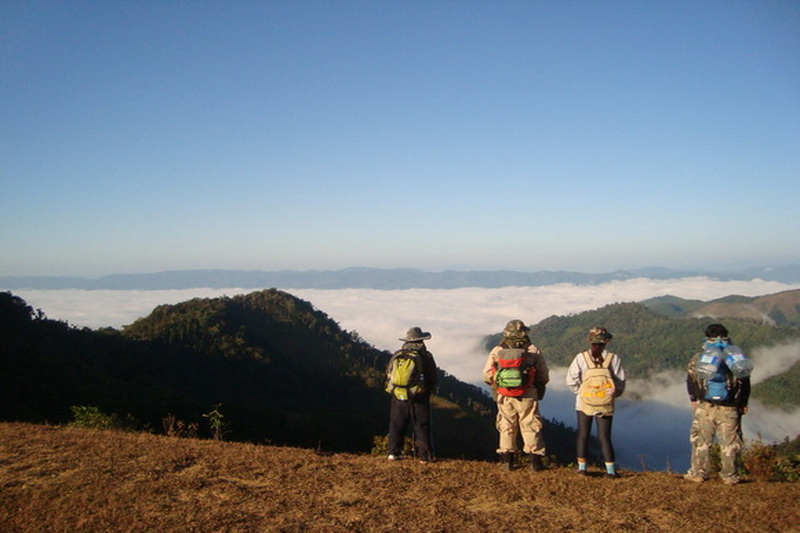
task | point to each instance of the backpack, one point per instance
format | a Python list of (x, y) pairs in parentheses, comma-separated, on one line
[(514, 374), (717, 389), (405, 375), (597, 387)]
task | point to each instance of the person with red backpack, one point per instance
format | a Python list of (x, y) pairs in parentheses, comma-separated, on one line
[(518, 374), (597, 378)]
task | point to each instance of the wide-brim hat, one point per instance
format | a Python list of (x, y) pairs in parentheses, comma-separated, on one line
[(416, 334), (599, 335)]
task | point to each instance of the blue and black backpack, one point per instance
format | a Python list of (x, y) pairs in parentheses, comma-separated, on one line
[(718, 386)]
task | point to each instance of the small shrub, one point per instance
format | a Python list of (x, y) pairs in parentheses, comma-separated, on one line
[(89, 416), (789, 468), (174, 427), (380, 446), (715, 460), (217, 423), (764, 463)]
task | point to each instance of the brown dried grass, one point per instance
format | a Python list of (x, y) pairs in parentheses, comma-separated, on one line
[(69, 479)]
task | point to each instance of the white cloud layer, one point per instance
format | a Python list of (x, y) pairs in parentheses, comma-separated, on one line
[(650, 433)]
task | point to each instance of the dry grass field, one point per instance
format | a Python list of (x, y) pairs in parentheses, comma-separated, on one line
[(65, 479)]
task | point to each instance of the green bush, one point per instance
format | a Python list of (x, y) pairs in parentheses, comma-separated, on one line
[(88, 416), (764, 463)]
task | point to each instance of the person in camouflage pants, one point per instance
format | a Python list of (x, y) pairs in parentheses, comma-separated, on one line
[(718, 417)]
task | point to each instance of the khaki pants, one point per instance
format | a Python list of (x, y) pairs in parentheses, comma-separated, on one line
[(519, 415), (710, 420)]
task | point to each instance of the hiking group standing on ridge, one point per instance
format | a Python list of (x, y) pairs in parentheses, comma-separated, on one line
[(718, 385)]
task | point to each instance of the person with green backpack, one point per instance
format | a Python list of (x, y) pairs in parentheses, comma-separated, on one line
[(597, 378), (518, 374), (411, 377)]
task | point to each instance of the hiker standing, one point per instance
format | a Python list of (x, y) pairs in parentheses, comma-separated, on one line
[(518, 374), (718, 383), (597, 378), (411, 379)]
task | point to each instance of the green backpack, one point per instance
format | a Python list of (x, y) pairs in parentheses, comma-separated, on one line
[(405, 375), (514, 375)]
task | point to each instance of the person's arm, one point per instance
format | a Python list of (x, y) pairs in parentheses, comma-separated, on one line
[(433, 375), (619, 376), (692, 387), (574, 373), (542, 376), (744, 394), (490, 367)]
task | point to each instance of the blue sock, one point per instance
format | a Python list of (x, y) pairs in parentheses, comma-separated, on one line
[(611, 468)]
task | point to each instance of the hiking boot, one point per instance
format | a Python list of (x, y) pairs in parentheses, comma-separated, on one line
[(733, 480), (609, 475), (536, 463), (693, 478), (507, 460), (393, 457), (582, 473)]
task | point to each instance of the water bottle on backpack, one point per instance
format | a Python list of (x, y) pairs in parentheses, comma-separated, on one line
[(738, 362), (709, 361)]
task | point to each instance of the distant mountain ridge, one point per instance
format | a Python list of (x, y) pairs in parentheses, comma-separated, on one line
[(374, 278), (780, 309)]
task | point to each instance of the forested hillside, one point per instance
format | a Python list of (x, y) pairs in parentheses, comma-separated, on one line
[(268, 366), (652, 342), (779, 309)]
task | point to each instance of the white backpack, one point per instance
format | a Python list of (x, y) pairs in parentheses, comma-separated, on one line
[(597, 387)]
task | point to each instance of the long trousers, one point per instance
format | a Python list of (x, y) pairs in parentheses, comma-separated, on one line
[(603, 435), (415, 413), (708, 421), (517, 416)]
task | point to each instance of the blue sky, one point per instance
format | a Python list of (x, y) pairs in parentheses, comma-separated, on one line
[(588, 136)]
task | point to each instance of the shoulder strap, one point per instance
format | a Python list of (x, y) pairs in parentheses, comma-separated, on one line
[(591, 364)]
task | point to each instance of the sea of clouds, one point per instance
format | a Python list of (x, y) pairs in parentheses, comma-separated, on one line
[(649, 433)]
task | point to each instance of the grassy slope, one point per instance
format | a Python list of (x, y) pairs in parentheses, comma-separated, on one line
[(68, 479)]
